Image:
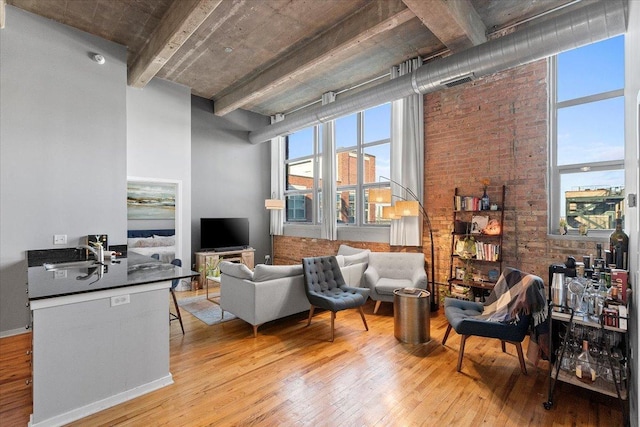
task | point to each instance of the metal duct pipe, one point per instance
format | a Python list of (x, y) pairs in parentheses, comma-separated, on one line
[(589, 24)]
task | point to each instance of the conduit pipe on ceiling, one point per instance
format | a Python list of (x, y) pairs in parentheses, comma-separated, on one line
[(589, 24)]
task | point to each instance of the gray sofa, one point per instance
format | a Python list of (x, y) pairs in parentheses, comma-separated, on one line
[(271, 292)]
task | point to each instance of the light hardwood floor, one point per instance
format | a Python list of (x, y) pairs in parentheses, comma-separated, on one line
[(290, 375)]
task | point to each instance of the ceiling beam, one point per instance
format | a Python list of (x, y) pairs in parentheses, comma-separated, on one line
[(176, 26), (455, 23), (373, 19)]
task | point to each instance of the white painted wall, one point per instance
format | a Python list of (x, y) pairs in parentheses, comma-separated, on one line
[(159, 148), (632, 186), (62, 146)]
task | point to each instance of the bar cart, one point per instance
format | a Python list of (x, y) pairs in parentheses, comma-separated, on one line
[(609, 340)]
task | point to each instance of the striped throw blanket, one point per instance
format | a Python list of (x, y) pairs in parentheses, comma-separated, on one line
[(516, 293)]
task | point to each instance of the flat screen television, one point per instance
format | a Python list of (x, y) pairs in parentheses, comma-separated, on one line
[(219, 234)]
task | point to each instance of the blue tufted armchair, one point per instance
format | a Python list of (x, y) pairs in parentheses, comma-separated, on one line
[(325, 288), (516, 301)]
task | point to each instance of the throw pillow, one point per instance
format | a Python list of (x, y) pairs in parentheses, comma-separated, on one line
[(269, 272), (236, 269), (357, 258), (349, 250)]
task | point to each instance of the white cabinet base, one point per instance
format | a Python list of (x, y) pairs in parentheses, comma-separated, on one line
[(90, 353)]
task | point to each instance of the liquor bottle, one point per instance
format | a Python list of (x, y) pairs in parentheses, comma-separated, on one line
[(484, 201), (619, 246), (585, 365)]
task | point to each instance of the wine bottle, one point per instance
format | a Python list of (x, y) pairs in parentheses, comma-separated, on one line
[(619, 246), (585, 365)]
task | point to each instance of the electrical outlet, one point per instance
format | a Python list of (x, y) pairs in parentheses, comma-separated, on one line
[(60, 274), (59, 239), (120, 300)]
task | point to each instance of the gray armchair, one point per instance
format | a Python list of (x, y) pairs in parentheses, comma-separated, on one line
[(388, 271), (516, 301), (325, 288)]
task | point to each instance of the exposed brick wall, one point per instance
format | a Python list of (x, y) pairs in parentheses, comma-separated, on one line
[(291, 250), (496, 128)]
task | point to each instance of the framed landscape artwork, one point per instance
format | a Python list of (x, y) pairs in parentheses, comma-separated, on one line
[(151, 200)]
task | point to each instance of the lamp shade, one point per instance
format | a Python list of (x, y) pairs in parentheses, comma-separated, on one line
[(389, 212), (274, 204), (380, 195), (407, 208)]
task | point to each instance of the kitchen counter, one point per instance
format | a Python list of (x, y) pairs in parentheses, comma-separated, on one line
[(100, 334), (131, 271)]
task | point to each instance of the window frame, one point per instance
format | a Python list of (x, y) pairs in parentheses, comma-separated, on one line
[(311, 192), (555, 171), (360, 187)]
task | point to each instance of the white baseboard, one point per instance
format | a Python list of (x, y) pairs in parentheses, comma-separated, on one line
[(12, 332), (101, 405)]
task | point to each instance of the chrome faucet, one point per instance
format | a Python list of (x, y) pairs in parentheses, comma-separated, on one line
[(97, 251)]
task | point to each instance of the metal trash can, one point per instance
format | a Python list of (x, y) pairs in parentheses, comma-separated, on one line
[(412, 315)]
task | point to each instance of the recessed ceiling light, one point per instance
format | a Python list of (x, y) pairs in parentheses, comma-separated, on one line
[(228, 49), (98, 58), (585, 168)]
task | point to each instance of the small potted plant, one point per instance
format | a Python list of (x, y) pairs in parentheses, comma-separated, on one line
[(212, 268), (562, 226)]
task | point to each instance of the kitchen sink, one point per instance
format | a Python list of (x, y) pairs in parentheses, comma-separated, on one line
[(71, 264)]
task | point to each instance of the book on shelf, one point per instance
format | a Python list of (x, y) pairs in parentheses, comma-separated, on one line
[(467, 203), (487, 251)]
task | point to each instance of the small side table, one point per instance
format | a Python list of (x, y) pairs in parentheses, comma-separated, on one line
[(213, 279), (412, 315)]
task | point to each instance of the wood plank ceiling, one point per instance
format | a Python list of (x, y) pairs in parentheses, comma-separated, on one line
[(274, 56)]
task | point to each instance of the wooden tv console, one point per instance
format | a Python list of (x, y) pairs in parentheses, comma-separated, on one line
[(245, 256)]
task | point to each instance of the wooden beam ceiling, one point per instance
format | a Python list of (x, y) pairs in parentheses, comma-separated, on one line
[(455, 23), (370, 21), (175, 28)]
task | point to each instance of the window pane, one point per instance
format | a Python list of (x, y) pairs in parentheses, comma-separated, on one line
[(347, 168), (346, 131), (591, 69), (346, 206), (299, 208), (377, 123), (377, 163), (591, 132), (592, 198), (299, 144), (300, 175), (375, 200)]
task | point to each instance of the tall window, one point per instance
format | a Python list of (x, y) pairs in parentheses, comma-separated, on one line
[(587, 147), (301, 163), (363, 155)]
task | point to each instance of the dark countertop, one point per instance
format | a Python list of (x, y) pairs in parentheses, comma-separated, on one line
[(131, 271)]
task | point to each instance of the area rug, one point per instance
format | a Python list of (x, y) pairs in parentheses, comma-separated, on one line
[(204, 310)]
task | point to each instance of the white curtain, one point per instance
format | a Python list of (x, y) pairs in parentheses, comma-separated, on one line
[(407, 157), (276, 224), (329, 227)]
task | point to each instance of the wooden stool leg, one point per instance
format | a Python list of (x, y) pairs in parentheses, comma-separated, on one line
[(363, 318), (461, 352), (446, 334)]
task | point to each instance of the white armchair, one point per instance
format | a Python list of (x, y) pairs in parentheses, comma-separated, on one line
[(388, 271)]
